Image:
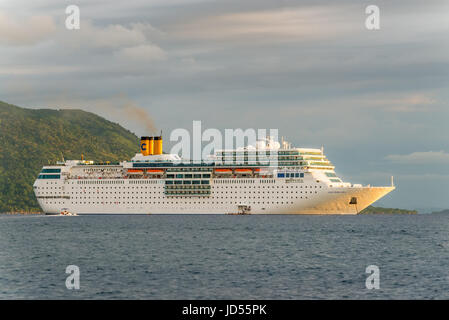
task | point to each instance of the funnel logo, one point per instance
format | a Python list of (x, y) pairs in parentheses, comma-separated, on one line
[(143, 146)]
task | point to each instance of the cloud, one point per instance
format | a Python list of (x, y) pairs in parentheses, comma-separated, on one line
[(16, 70), (129, 42), (147, 52), (409, 103), (98, 49), (425, 157), (109, 37), (122, 47), (359, 103), (19, 31), (290, 24)]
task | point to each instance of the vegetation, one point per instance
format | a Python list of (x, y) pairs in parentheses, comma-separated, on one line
[(379, 210), (30, 138)]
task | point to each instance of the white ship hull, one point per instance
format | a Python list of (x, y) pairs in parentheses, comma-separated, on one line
[(244, 196)]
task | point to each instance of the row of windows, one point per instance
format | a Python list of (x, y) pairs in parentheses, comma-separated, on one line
[(272, 162), (178, 182), (242, 194), (291, 175), (187, 182), (184, 166), (254, 158), (196, 186), (176, 197), (266, 187), (36, 187), (187, 169), (99, 182), (196, 190), (190, 192), (234, 181), (99, 170), (49, 176), (250, 152), (48, 170), (188, 176), (145, 181)]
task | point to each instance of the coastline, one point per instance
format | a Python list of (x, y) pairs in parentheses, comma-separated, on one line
[(22, 212), (381, 210)]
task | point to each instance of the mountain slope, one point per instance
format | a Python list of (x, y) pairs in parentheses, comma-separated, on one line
[(29, 138)]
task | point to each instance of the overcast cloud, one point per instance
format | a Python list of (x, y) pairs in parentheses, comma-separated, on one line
[(376, 100)]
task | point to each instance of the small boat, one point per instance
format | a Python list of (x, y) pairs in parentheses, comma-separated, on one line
[(66, 212)]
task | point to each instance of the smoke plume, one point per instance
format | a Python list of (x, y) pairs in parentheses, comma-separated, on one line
[(118, 108)]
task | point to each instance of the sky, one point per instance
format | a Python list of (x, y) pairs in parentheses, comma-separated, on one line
[(377, 100)]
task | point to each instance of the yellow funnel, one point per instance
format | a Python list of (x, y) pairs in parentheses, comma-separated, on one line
[(151, 146), (158, 145)]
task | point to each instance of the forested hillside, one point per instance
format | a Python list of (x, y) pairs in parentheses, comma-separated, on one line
[(29, 138)]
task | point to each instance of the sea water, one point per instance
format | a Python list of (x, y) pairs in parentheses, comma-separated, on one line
[(224, 257)]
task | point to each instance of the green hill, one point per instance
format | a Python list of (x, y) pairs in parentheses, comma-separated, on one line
[(380, 210), (29, 138)]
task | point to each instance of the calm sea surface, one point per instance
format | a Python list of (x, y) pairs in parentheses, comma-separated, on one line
[(224, 257)]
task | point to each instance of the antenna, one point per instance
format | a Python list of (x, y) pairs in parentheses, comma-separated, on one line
[(322, 150), (392, 181)]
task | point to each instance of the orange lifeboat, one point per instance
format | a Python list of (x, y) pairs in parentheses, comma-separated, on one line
[(223, 170), (135, 170), (243, 171), (155, 171)]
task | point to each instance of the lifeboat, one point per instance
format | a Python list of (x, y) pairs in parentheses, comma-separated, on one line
[(135, 171), (221, 171), (155, 171), (243, 171)]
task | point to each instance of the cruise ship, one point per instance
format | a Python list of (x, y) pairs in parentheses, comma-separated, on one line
[(266, 178)]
